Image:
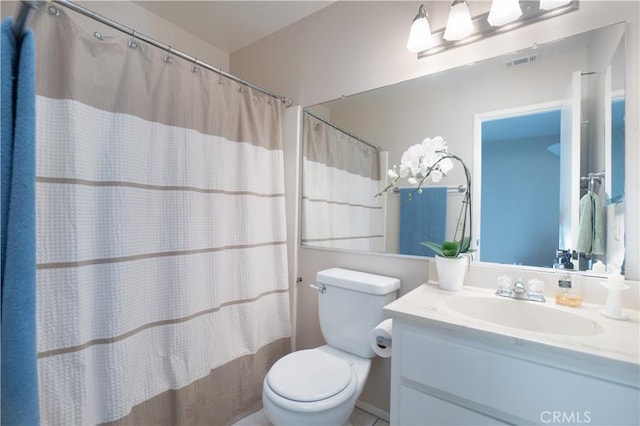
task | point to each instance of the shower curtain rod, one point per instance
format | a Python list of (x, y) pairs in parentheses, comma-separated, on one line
[(28, 7), (377, 148)]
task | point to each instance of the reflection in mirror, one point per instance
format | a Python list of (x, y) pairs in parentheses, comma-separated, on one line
[(614, 163), (526, 210), (519, 155), (340, 172)]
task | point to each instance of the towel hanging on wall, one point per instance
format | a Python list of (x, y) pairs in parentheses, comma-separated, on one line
[(423, 217), (20, 403), (591, 227)]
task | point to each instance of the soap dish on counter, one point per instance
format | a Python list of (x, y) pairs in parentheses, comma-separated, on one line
[(623, 316)]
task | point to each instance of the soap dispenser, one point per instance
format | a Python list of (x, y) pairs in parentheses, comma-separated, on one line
[(615, 284), (565, 295)]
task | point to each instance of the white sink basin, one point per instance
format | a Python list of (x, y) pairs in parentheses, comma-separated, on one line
[(524, 315)]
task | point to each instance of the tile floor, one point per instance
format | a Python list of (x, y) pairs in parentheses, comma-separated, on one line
[(358, 418)]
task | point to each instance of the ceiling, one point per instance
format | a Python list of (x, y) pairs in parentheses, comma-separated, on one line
[(232, 25)]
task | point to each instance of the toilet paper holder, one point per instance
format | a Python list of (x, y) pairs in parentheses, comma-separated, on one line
[(383, 342)]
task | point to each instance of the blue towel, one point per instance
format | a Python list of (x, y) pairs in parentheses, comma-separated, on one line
[(19, 353), (422, 218), (8, 62)]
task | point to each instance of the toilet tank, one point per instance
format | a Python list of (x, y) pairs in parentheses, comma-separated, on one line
[(351, 306)]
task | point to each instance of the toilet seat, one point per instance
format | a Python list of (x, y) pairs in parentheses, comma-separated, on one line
[(309, 375), (332, 410)]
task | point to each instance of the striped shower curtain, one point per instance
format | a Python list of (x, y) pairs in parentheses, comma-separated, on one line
[(341, 176), (162, 286)]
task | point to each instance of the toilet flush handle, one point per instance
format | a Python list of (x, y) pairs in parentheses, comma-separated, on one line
[(321, 288)]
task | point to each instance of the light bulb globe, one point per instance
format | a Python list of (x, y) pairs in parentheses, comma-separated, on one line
[(459, 25)]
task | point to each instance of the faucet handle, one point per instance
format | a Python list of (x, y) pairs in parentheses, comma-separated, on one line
[(535, 286), (504, 285), (504, 282)]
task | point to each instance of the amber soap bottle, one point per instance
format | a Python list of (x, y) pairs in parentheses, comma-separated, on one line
[(564, 296)]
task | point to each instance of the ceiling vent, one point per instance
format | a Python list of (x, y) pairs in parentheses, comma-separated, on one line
[(522, 61)]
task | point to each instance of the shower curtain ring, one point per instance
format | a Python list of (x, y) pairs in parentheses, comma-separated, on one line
[(242, 86), (220, 79), (167, 59), (195, 69), (133, 43)]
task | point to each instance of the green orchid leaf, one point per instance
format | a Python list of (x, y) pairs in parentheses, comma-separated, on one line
[(466, 243), (450, 248), (437, 248), (450, 245)]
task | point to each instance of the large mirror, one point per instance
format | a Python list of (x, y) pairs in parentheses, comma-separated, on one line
[(542, 131)]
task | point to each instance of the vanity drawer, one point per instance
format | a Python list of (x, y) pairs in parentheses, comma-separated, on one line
[(513, 389), (417, 408)]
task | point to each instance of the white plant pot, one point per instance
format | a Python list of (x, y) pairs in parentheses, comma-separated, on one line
[(451, 272)]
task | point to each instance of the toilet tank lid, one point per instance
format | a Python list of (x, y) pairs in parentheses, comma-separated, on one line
[(359, 281)]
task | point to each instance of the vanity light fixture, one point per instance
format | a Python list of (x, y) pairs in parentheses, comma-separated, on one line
[(420, 35), (459, 24), (503, 12), (552, 4), (484, 25)]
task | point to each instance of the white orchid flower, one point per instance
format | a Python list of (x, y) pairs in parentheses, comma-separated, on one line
[(426, 144), (445, 165), (424, 168), (412, 158), (429, 159), (434, 144), (436, 176), (423, 163), (403, 172)]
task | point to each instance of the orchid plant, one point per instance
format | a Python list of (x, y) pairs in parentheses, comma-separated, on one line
[(430, 161)]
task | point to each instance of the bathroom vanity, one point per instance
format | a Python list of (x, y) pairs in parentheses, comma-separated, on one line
[(473, 358)]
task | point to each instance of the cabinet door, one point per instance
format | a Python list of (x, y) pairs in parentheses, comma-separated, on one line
[(503, 385), (417, 408)]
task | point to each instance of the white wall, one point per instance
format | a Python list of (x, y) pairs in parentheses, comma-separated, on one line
[(350, 47)]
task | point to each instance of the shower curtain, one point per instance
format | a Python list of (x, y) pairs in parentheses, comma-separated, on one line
[(340, 179), (161, 242)]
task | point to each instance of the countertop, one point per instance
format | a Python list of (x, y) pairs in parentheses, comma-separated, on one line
[(617, 340)]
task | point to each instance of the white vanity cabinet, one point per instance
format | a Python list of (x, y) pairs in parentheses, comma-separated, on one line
[(447, 374)]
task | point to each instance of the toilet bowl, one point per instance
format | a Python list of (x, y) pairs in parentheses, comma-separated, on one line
[(314, 387), (321, 386)]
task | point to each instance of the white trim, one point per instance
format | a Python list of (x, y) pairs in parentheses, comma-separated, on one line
[(372, 409), (292, 140)]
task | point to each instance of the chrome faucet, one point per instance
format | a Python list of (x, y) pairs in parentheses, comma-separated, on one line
[(519, 291)]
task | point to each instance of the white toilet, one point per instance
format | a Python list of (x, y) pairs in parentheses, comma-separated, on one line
[(321, 386)]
